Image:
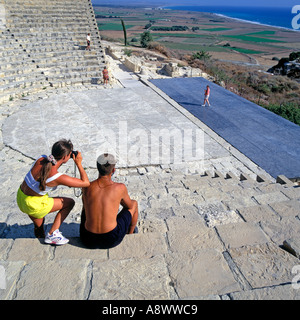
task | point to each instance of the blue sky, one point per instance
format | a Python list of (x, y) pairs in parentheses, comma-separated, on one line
[(245, 3)]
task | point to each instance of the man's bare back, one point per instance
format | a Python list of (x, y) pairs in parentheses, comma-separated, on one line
[(102, 225), (101, 202)]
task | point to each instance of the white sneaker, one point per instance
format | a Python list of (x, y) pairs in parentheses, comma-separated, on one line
[(56, 238)]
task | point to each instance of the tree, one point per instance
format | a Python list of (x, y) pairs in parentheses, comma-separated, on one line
[(146, 37), (125, 32)]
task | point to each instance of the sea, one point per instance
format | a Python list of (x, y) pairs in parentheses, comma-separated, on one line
[(277, 17)]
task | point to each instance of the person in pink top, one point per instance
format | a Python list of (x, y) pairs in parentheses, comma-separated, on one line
[(206, 96)]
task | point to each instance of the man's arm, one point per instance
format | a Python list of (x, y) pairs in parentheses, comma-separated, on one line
[(126, 202)]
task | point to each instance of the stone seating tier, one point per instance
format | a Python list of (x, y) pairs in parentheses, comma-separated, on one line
[(46, 39)]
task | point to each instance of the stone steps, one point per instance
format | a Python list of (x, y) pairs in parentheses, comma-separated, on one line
[(52, 34), (177, 225)]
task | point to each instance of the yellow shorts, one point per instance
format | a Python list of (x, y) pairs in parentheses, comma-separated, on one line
[(34, 206)]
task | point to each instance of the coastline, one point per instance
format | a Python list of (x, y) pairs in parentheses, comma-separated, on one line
[(223, 15), (254, 22)]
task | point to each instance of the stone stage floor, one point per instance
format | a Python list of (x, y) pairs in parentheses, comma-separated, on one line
[(134, 124), (269, 140)]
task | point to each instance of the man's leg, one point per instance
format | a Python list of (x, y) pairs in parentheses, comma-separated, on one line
[(134, 214)]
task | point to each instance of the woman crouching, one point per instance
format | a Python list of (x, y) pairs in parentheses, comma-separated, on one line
[(33, 199)]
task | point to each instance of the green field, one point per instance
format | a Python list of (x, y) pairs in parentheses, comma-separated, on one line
[(247, 51), (250, 38), (113, 26)]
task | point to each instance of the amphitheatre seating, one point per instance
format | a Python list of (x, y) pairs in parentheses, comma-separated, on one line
[(43, 44), (210, 236)]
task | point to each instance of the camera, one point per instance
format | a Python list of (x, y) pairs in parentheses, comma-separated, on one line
[(75, 153)]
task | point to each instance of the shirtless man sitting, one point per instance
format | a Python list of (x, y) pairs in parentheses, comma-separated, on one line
[(101, 224)]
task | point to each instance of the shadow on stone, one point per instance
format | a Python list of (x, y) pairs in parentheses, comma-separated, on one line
[(16, 231)]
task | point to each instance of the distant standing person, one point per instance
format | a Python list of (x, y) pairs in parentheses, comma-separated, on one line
[(88, 41), (105, 75), (206, 96)]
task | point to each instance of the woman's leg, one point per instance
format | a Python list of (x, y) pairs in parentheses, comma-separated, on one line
[(39, 231), (64, 205)]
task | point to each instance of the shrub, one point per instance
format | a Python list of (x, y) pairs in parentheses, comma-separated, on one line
[(146, 37), (289, 111), (127, 52)]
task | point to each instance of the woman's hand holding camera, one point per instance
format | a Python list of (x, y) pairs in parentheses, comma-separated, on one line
[(77, 157)]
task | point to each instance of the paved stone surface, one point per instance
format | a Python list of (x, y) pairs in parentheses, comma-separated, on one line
[(128, 123), (214, 227)]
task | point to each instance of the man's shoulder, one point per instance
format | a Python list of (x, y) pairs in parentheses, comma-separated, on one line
[(120, 186)]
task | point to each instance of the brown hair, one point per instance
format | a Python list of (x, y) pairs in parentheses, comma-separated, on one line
[(60, 149)]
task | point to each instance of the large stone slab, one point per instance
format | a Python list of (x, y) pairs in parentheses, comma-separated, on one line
[(264, 265), (267, 198), (189, 235), (54, 280), (30, 250), (134, 279), (241, 234), (201, 273), (142, 245), (258, 213), (279, 231), (9, 275), (287, 208)]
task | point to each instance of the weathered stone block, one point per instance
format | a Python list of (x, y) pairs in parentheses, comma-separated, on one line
[(54, 280), (135, 279), (287, 208), (188, 235), (201, 273), (241, 234), (142, 245), (10, 271), (258, 213), (264, 265), (281, 230), (267, 198), (30, 250)]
